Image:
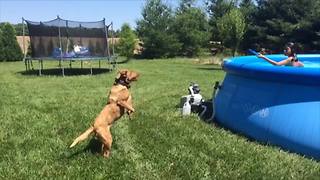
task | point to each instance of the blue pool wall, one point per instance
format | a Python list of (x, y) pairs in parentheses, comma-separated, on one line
[(273, 104)]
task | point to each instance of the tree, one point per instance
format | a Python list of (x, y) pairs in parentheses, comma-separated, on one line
[(314, 19), (19, 29), (113, 33), (217, 9), (192, 28), (283, 21), (249, 11), (1, 46), (155, 31), (127, 41), (185, 5), (231, 28), (10, 47), (272, 23)]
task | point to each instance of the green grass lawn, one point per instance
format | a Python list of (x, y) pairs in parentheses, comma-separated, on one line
[(41, 116)]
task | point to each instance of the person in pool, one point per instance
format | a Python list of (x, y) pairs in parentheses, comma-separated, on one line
[(292, 59)]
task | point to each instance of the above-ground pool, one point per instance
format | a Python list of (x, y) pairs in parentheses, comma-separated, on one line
[(279, 105)]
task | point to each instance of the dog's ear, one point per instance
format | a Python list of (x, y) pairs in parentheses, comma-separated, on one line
[(132, 75), (122, 72)]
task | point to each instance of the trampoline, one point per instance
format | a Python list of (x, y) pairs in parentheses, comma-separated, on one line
[(69, 41)]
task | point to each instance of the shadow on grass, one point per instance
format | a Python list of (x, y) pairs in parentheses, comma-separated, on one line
[(122, 62), (67, 72), (210, 68), (274, 146), (94, 147)]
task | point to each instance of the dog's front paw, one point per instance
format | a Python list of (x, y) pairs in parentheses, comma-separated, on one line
[(130, 113), (106, 154)]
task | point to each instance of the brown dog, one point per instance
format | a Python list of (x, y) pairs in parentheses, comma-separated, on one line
[(119, 100)]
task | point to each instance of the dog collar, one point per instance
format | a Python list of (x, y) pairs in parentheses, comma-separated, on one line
[(122, 82)]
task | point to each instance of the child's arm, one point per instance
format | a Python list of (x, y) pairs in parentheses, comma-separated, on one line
[(283, 62)]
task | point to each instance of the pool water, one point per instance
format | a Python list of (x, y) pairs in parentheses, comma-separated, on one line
[(309, 64)]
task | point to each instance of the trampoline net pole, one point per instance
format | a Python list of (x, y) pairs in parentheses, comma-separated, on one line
[(114, 63), (24, 46), (112, 38), (91, 67), (39, 67), (106, 29), (60, 44)]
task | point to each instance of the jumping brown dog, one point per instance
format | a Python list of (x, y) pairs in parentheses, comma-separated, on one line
[(119, 101)]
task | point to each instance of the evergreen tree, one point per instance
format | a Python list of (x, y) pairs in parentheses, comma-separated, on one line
[(248, 9), (314, 19), (185, 5), (127, 42), (1, 46), (155, 30), (272, 23), (283, 21), (192, 28), (11, 50)]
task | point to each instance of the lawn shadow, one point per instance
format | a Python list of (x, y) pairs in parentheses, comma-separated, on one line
[(67, 72), (94, 147), (248, 138), (122, 62), (210, 68)]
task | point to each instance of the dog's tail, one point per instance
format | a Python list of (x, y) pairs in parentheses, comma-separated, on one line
[(83, 136)]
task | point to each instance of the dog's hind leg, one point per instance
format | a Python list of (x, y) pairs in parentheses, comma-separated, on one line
[(82, 137), (106, 138)]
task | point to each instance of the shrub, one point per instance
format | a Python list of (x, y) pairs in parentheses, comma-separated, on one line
[(127, 42), (9, 47)]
